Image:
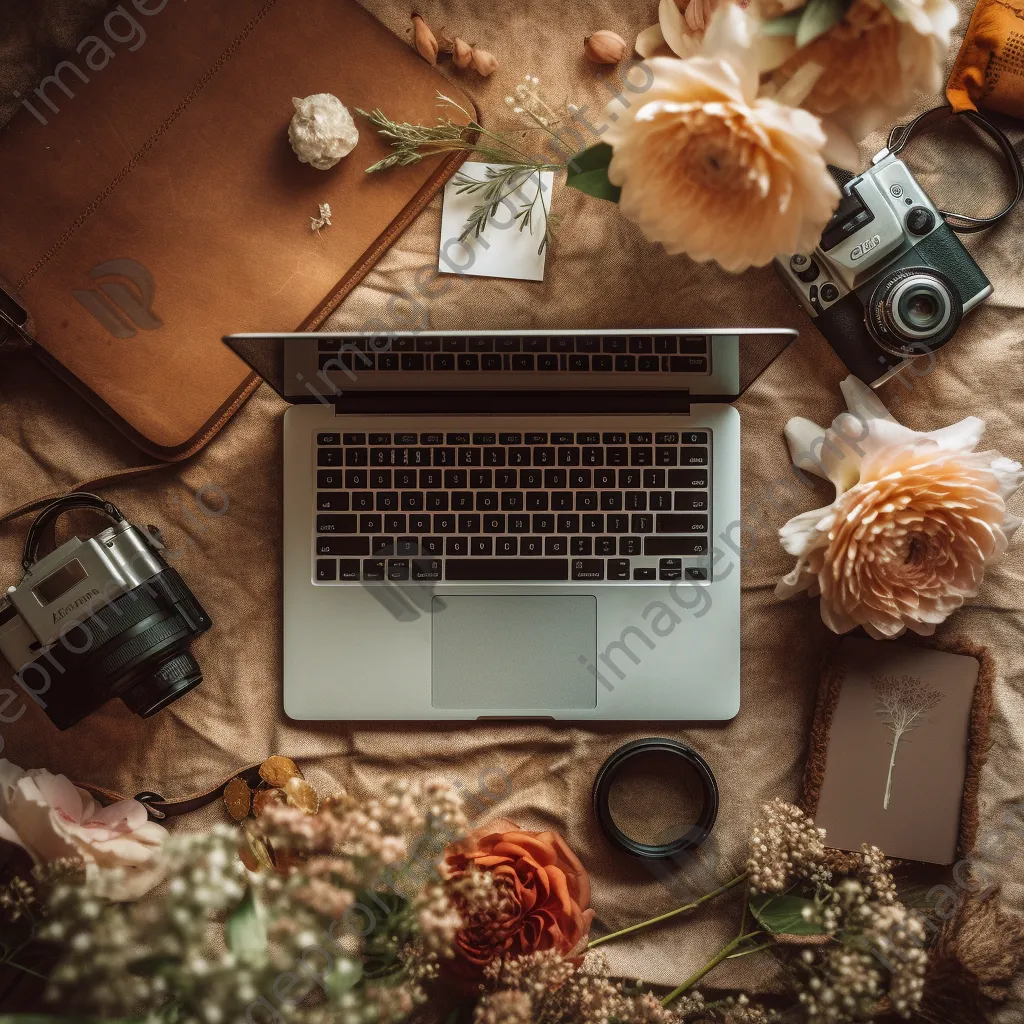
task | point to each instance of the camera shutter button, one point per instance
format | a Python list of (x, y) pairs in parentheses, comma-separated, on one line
[(829, 293), (920, 221), (896, 190), (804, 267)]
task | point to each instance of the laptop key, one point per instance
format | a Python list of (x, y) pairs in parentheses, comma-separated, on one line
[(618, 568), (586, 501), (687, 478), (469, 523), (587, 569), (395, 524), (530, 479), (636, 501), (666, 456), (373, 569), (642, 524), (330, 457), (617, 524), (481, 546), (432, 545), (694, 437), (413, 501), (481, 479), (695, 572), (511, 501), (672, 523), (343, 546), (429, 479), (331, 501), (659, 501), (611, 501), (593, 457), (536, 501), (487, 501), (462, 501), (693, 456), (494, 456), (456, 546), (508, 439), (558, 546), (490, 362), (544, 456), (326, 569), (604, 546), (645, 574), (426, 569), (444, 456), (629, 545), (437, 501), (593, 523), (506, 546), (494, 523), (664, 545), (329, 478), (348, 569), (398, 569), (581, 546), (543, 524), (417, 524), (387, 501), (444, 524), (531, 546), (515, 569), (691, 501), (561, 501), (336, 524)]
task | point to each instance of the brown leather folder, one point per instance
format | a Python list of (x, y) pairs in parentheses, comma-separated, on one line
[(160, 205)]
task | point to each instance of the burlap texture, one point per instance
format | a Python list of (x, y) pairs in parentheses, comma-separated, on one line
[(600, 272)]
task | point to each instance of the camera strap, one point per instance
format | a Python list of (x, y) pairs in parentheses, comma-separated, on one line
[(961, 222)]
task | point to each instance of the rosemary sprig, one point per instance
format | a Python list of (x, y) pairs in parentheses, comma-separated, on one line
[(413, 142)]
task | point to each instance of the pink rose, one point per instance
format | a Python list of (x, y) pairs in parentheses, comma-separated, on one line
[(51, 818)]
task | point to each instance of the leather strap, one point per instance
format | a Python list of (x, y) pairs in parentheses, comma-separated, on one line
[(961, 222), (159, 807), (120, 476)]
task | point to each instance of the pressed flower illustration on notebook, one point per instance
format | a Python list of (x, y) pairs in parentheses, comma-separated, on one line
[(903, 704)]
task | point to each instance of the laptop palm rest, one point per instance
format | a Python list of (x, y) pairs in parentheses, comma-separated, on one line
[(503, 653)]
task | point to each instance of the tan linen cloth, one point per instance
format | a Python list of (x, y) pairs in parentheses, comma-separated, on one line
[(600, 272)]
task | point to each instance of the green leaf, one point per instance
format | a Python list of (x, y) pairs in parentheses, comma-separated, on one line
[(246, 933), (784, 915), (785, 25), (345, 975), (818, 17), (588, 172)]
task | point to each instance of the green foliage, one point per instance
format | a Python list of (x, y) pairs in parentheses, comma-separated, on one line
[(588, 172), (784, 914), (245, 932), (817, 17)]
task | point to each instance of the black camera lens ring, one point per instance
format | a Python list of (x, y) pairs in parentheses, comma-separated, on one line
[(52, 512), (884, 326), (613, 766)]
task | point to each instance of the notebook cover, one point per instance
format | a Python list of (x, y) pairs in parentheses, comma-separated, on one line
[(899, 738), (161, 207)]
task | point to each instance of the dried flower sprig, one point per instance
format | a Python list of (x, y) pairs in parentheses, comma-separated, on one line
[(521, 170)]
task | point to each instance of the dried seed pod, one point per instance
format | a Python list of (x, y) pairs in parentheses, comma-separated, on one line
[(238, 798), (302, 795), (605, 47), (462, 54), (277, 770), (264, 797), (257, 848), (424, 40), (484, 62)]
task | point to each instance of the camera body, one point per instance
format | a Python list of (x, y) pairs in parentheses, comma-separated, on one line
[(889, 281), (100, 618)]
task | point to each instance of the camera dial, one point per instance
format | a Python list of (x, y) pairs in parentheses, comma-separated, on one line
[(917, 309)]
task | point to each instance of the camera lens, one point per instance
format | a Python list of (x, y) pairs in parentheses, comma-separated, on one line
[(917, 309), (169, 681)]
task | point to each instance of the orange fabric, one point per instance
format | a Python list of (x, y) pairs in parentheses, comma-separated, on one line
[(989, 70)]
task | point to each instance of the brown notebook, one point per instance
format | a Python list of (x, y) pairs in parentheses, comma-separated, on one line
[(160, 206), (899, 738)]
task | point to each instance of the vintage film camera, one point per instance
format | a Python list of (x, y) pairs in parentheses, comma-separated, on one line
[(100, 618), (889, 280)]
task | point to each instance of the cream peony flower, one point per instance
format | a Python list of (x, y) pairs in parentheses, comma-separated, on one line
[(50, 818), (874, 61), (708, 169), (916, 519), (679, 30)]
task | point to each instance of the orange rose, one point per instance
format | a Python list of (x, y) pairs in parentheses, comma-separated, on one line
[(546, 891)]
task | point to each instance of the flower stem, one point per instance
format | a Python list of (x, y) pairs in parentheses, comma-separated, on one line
[(723, 954), (670, 914), (23, 968)]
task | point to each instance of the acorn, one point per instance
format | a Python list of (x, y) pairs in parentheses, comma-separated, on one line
[(605, 47)]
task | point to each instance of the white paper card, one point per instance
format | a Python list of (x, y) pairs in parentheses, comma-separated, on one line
[(502, 250)]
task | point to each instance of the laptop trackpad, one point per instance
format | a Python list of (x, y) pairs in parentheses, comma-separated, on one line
[(513, 653)]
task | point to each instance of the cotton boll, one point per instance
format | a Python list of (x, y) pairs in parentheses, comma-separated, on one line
[(322, 130)]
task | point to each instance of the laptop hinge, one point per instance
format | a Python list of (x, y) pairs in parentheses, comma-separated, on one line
[(676, 400)]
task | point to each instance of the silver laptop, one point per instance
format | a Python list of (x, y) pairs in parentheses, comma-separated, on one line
[(498, 525)]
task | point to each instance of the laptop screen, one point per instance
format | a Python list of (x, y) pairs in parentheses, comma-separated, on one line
[(697, 365)]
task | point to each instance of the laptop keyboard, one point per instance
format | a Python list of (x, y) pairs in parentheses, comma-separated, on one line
[(587, 506), (611, 353)]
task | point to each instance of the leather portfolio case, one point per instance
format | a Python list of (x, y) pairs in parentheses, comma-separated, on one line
[(150, 201)]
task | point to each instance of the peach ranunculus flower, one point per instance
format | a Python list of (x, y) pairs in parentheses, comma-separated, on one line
[(873, 61), (708, 169), (916, 519), (51, 819), (545, 890)]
